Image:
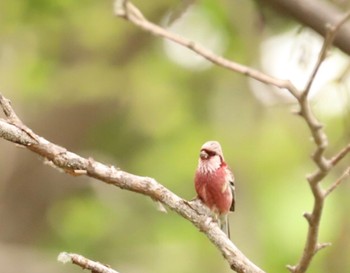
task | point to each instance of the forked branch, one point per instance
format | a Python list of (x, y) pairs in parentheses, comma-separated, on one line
[(324, 165)]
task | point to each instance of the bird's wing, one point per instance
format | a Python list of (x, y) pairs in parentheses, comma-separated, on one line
[(231, 180)]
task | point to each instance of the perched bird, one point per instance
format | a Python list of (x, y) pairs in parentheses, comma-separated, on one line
[(214, 183)]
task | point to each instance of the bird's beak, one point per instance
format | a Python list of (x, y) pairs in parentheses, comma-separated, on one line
[(203, 154)]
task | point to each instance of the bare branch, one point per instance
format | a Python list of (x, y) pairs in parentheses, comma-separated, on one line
[(84, 263), (74, 164), (339, 156), (327, 43), (13, 118), (319, 137), (324, 165), (315, 15), (9, 113), (322, 246), (337, 182), (133, 14)]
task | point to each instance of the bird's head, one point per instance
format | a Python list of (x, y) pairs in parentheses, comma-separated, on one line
[(210, 156)]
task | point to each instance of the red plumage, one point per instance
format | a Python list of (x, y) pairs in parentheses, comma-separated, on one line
[(214, 182)]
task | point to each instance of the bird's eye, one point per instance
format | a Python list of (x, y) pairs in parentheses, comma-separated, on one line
[(207, 153), (211, 153)]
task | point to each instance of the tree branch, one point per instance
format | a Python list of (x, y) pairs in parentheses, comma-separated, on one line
[(128, 11), (312, 246), (316, 15), (84, 263), (328, 41), (339, 156), (337, 182), (74, 164)]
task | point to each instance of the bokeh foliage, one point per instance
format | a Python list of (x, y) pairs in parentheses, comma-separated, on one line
[(101, 87)]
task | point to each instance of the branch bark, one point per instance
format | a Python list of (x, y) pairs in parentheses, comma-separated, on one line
[(15, 131), (84, 263), (316, 15), (337, 182), (128, 11), (312, 246)]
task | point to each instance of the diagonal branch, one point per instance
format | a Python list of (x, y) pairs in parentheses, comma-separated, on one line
[(337, 182), (328, 41), (316, 15), (339, 156), (84, 263), (128, 11), (74, 164)]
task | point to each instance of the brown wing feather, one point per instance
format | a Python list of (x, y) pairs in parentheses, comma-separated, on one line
[(233, 189)]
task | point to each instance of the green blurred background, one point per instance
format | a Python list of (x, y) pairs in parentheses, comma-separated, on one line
[(101, 87)]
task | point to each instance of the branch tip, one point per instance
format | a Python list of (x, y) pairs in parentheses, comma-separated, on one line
[(291, 268), (296, 112), (64, 257), (85, 263), (7, 108), (120, 8), (310, 178), (320, 246), (308, 216)]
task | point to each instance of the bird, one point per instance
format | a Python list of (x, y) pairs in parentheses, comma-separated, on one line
[(215, 184)]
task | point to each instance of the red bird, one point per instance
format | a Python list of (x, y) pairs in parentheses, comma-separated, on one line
[(214, 183)]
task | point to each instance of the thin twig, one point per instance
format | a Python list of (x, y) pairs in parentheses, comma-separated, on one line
[(133, 14), (339, 156), (328, 41), (337, 182), (84, 263), (13, 118)]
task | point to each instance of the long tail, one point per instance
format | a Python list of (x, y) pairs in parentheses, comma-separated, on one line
[(225, 224)]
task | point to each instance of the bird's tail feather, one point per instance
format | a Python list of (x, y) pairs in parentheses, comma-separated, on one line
[(225, 224)]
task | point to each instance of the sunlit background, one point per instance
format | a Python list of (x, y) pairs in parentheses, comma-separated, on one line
[(103, 88)]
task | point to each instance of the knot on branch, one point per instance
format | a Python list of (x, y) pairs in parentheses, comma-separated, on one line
[(320, 246), (291, 268), (308, 217)]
